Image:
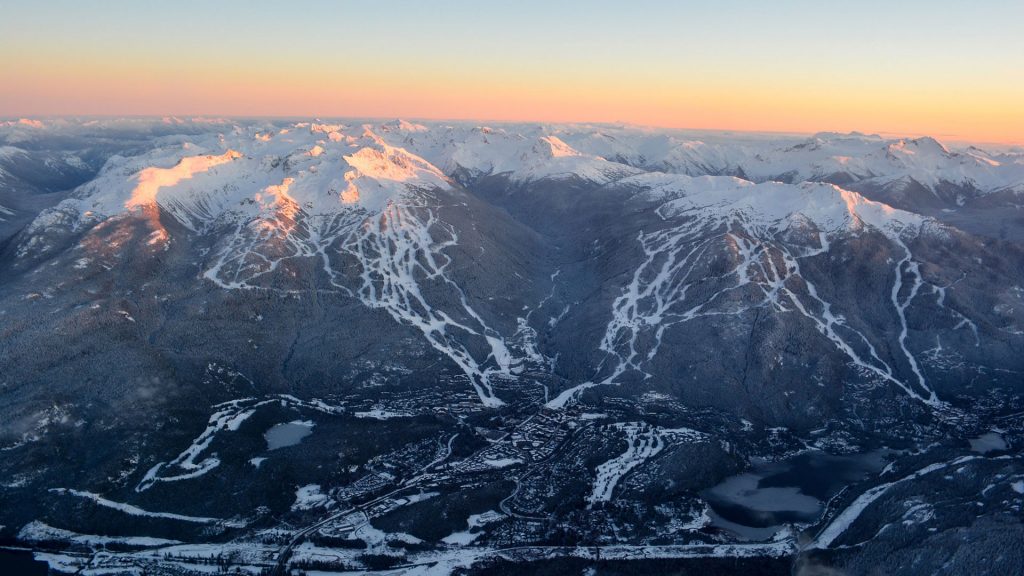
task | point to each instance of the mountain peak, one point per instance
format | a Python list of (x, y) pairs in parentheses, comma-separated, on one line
[(557, 148)]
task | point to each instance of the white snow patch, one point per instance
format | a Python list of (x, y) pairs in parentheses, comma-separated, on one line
[(475, 522), (503, 462), (309, 497), (136, 511), (37, 531), (643, 442)]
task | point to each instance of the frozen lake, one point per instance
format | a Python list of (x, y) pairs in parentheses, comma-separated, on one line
[(758, 502), (989, 442), (288, 433)]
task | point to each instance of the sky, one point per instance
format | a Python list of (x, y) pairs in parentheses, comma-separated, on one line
[(949, 69)]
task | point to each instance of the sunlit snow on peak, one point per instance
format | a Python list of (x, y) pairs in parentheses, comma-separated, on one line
[(151, 180)]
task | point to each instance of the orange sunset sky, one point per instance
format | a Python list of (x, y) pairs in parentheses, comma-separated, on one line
[(954, 70)]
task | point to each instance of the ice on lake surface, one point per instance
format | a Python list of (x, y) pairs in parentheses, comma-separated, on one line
[(756, 503), (288, 433), (746, 490), (989, 442)]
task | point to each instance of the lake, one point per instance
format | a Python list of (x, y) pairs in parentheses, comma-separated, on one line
[(755, 504), (288, 434), (989, 442)]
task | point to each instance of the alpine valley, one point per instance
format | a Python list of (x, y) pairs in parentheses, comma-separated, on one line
[(288, 346)]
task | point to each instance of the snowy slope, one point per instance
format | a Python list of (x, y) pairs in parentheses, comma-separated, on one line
[(362, 203), (249, 173), (524, 153), (765, 230), (599, 153), (360, 209), (825, 156), (771, 205)]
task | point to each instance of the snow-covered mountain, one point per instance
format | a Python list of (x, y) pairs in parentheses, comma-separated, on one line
[(378, 212), (550, 336), (837, 158), (324, 172)]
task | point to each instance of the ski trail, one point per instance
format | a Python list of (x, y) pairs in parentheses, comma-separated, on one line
[(227, 417), (402, 269), (913, 268), (643, 442), (136, 511), (397, 250), (256, 248), (964, 321), (842, 522), (659, 296)]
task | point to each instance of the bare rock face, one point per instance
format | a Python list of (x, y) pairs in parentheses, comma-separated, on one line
[(559, 341)]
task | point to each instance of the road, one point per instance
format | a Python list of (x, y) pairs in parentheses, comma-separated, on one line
[(285, 554), (282, 557)]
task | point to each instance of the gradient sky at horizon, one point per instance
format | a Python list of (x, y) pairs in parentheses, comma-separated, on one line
[(954, 70)]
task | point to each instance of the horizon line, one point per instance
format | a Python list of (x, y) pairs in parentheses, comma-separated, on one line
[(950, 138)]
